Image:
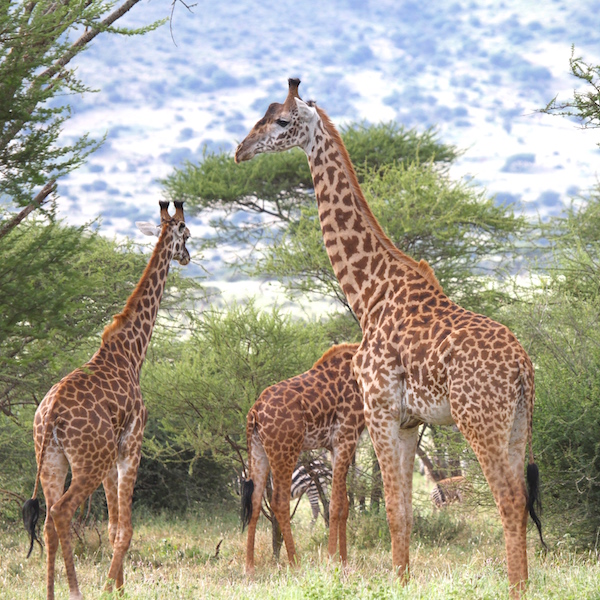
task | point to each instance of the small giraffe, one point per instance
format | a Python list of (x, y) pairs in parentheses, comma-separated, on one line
[(321, 408), (423, 359), (93, 419)]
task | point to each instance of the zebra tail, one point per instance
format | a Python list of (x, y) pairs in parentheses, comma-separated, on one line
[(247, 491)]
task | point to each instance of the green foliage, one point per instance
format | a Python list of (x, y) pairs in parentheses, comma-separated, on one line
[(439, 527), (36, 46), (460, 232), (585, 105), (403, 174), (60, 287), (560, 327), (564, 338), (374, 146), (200, 389)]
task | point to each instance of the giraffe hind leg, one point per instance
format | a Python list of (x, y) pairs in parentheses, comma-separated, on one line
[(280, 504), (61, 514), (52, 477), (503, 470), (258, 476)]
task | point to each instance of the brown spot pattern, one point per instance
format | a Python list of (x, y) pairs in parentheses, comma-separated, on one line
[(321, 408), (93, 420), (422, 358)]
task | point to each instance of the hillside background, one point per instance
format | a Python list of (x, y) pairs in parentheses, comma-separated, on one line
[(476, 71)]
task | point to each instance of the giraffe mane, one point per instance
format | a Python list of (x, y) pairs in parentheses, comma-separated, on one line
[(422, 267), (120, 319), (334, 351)]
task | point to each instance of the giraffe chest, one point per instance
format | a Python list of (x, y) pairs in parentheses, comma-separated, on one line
[(406, 375)]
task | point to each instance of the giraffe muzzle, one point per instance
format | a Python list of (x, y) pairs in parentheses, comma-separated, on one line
[(243, 152), (185, 258)]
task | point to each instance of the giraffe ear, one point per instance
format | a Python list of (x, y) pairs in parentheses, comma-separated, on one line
[(148, 228), (306, 111)]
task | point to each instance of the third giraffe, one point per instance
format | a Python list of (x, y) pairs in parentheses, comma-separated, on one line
[(321, 408)]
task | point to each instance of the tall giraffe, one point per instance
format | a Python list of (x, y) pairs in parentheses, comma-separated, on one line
[(93, 419), (423, 359), (321, 408)]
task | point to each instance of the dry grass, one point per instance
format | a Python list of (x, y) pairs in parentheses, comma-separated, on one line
[(454, 555)]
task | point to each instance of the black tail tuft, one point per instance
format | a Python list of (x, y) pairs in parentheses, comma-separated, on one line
[(247, 491), (31, 514), (533, 500)]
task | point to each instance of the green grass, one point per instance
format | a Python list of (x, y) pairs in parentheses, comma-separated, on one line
[(456, 554)]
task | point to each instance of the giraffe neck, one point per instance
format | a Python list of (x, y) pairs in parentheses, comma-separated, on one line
[(363, 258), (132, 328)]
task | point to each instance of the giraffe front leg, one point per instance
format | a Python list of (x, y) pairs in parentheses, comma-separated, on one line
[(395, 449), (338, 506)]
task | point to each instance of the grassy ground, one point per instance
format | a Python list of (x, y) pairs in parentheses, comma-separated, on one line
[(455, 554)]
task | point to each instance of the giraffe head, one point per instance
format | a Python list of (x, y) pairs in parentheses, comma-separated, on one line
[(284, 126), (180, 231)]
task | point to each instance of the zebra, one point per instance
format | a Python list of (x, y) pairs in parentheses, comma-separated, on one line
[(312, 478), (447, 491)]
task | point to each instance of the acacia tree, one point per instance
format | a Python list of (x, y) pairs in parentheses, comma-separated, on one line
[(463, 235), (250, 202), (585, 103), (268, 204), (59, 284), (36, 48)]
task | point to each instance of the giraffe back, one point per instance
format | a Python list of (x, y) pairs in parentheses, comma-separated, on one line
[(322, 400)]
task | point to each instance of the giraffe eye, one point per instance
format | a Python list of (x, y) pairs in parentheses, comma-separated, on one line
[(181, 227), (282, 122)]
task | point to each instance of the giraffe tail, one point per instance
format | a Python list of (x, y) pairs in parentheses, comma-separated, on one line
[(31, 508), (31, 514), (247, 491), (248, 484), (534, 502), (533, 497)]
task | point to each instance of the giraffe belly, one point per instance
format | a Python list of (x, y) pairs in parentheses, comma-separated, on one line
[(421, 404), (317, 437)]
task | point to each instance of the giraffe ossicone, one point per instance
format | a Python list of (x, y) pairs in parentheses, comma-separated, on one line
[(423, 358), (92, 421)]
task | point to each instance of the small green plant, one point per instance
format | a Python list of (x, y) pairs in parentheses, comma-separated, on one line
[(439, 527)]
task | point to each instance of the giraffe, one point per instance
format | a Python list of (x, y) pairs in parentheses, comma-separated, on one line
[(321, 408), (423, 358), (93, 419)]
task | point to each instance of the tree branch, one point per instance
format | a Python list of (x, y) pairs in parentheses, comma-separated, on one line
[(86, 38), (36, 203)]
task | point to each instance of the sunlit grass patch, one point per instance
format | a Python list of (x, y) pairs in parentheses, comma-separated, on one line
[(453, 555)]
